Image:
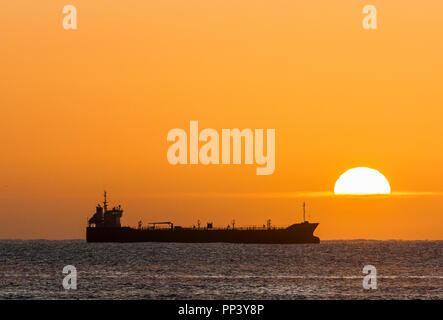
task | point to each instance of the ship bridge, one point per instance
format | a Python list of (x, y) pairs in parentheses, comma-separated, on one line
[(105, 217)]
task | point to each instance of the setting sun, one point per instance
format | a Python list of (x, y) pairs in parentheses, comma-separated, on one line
[(362, 181)]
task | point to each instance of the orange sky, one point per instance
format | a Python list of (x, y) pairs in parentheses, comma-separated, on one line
[(90, 109)]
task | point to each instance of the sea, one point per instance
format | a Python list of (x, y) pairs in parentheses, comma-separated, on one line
[(329, 270)]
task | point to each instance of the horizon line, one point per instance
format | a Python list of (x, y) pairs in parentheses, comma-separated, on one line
[(351, 239), (290, 195)]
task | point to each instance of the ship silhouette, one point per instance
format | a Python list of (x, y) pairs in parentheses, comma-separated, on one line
[(105, 226)]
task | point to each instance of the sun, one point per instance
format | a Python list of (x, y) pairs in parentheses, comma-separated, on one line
[(362, 181)]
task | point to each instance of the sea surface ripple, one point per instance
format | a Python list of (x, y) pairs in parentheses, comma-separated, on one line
[(329, 270)]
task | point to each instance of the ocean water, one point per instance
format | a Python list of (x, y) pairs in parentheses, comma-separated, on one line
[(329, 270)]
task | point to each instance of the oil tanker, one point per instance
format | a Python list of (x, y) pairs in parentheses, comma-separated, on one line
[(105, 226)]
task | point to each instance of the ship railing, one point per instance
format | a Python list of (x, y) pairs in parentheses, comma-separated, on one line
[(252, 227)]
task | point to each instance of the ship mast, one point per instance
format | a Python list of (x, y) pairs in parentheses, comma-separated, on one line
[(105, 203), (304, 211)]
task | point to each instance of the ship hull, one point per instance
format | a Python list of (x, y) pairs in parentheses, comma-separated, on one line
[(299, 233)]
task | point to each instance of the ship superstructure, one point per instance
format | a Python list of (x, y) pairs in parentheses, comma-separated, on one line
[(104, 218)]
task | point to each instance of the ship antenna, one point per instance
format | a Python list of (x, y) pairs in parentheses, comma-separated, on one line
[(105, 203), (304, 211)]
